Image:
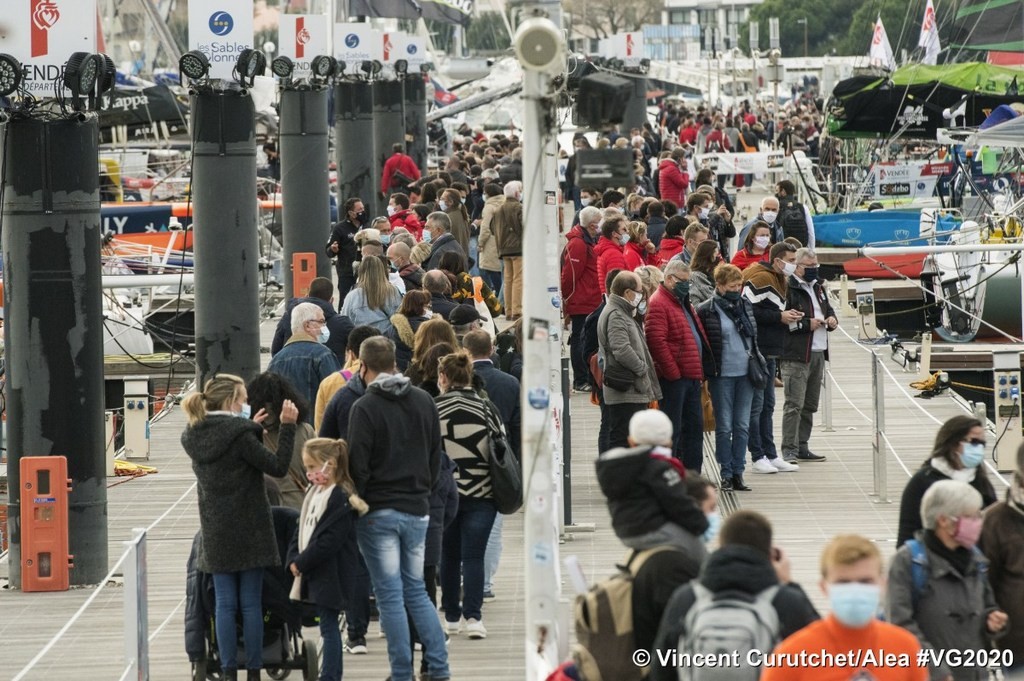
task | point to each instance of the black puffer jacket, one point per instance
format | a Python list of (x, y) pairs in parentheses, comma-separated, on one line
[(645, 492), (708, 313), (229, 461)]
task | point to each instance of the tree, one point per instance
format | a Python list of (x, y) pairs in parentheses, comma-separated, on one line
[(902, 20), (602, 18), (487, 33), (828, 21)]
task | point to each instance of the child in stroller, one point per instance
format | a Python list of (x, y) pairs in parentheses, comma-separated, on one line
[(283, 646)]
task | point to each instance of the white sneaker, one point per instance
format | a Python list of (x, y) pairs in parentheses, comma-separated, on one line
[(452, 628), (762, 465), (783, 466), (475, 629)]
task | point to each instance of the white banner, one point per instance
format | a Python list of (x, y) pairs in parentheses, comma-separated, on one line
[(906, 179), (220, 33), (354, 43), (629, 47), (42, 34), (301, 37), (401, 45), (742, 164)]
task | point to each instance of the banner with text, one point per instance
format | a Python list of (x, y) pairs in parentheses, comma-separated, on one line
[(742, 164), (42, 34), (301, 37), (221, 34), (906, 179), (354, 43), (401, 45)]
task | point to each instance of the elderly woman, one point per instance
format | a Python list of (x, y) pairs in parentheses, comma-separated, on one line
[(938, 585), (1002, 540), (958, 454)]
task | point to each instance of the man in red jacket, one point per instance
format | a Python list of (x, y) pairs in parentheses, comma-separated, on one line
[(673, 180), (581, 291), (676, 339), (399, 171), (400, 215)]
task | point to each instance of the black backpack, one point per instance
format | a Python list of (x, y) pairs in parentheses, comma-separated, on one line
[(792, 220)]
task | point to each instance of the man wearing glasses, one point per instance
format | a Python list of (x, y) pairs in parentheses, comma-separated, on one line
[(304, 360)]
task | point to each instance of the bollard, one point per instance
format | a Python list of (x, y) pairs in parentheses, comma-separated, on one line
[(844, 297), (827, 394), (136, 608), (878, 444), (924, 363)]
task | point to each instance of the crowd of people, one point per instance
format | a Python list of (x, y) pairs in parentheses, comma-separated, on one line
[(376, 418)]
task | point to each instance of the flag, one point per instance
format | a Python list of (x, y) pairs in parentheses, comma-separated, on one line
[(929, 39), (442, 97), (881, 51)]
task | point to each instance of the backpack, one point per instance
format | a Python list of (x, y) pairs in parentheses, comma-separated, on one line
[(713, 144), (728, 622), (793, 220), (919, 569), (504, 347), (604, 625)]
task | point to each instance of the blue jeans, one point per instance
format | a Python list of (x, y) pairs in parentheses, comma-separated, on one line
[(331, 637), (393, 544), (680, 400), (731, 397), (762, 411), (462, 554), (233, 590), (492, 556)]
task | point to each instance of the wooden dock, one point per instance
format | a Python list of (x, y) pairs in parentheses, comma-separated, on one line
[(806, 508)]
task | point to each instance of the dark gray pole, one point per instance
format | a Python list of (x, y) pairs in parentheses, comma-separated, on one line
[(388, 129), (566, 443), (225, 241), (416, 119), (54, 325), (358, 174), (636, 110), (306, 214)]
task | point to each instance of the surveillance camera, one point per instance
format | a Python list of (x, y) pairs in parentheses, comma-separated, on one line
[(539, 46)]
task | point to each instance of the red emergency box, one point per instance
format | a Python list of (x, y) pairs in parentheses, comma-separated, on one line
[(303, 273), (45, 562)]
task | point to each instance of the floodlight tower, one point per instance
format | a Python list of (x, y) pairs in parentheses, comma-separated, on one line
[(53, 305), (540, 47), (306, 214), (226, 243)]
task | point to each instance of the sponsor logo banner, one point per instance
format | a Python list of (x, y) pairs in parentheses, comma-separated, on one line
[(221, 30), (301, 37), (741, 164), (42, 34), (354, 43)]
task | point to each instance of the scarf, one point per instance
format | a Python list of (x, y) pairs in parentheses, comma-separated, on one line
[(313, 507), (961, 474), (960, 558), (737, 314)]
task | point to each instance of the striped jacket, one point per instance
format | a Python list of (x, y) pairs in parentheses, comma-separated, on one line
[(466, 424), (765, 289)]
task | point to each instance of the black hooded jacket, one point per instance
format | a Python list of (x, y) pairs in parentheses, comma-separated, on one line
[(731, 568)]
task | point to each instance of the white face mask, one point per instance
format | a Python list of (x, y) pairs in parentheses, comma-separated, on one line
[(762, 241), (637, 298), (623, 239), (789, 269), (769, 215), (442, 205), (586, 201), (391, 210), (704, 213)]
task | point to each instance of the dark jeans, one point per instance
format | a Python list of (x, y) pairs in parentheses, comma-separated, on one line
[(429, 581), (357, 615), (602, 430), (462, 554), (761, 439), (580, 370), (346, 282), (331, 637), (680, 400), (233, 591), (492, 279), (618, 416)]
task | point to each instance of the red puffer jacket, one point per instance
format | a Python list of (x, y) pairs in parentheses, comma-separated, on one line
[(581, 293), (670, 338), (609, 257), (407, 218), (636, 255), (744, 258), (670, 246), (672, 182)]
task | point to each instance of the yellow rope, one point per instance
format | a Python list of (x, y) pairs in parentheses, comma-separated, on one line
[(133, 470)]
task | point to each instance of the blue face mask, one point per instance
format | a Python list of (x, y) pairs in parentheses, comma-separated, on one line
[(385, 239), (325, 334), (246, 411), (426, 237), (972, 455), (442, 206), (714, 524), (854, 604)]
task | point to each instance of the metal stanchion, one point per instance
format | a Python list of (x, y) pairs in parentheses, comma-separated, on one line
[(881, 486), (136, 607), (566, 444), (827, 393)]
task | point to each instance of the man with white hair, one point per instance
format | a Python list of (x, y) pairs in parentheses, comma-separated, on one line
[(442, 241), (507, 225), (581, 290), (304, 360)]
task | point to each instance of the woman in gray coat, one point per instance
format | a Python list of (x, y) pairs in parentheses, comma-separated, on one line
[(938, 583), (237, 529)]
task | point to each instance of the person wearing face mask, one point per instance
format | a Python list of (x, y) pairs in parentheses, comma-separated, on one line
[(746, 566), (804, 354), (320, 292), (581, 292), (238, 537), (507, 225), (630, 382), (343, 247), (755, 246), (851, 577), (673, 180), (401, 215), (958, 454), (938, 581), (765, 287), (451, 204), (305, 361), (609, 247), (769, 215), (490, 264), (677, 342)]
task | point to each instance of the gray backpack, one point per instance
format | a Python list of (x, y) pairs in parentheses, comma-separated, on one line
[(728, 622)]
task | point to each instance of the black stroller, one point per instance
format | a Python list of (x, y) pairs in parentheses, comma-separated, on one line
[(284, 649)]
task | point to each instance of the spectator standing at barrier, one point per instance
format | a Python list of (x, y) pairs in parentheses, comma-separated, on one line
[(581, 291), (702, 271), (305, 361), (507, 225), (609, 247), (229, 460), (490, 263), (755, 247), (342, 245)]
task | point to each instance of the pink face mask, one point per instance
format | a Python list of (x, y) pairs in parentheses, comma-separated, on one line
[(967, 532), (321, 478)]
